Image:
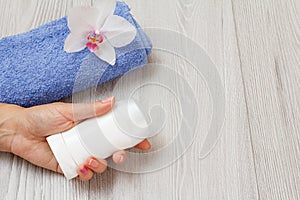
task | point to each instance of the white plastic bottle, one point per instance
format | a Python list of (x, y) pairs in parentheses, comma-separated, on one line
[(99, 137)]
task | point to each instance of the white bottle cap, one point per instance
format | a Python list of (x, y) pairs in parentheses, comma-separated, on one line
[(99, 137)]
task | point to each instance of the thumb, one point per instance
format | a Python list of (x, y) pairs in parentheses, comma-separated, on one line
[(82, 111), (54, 118)]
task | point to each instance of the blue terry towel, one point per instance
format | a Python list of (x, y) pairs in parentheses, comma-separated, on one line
[(34, 69)]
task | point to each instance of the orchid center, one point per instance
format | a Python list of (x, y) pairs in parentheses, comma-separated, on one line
[(94, 39)]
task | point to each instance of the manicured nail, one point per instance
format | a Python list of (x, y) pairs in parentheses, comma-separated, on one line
[(120, 158), (93, 163), (144, 145), (84, 170), (108, 100), (147, 145)]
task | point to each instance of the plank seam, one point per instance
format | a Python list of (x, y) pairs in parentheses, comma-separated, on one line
[(244, 91)]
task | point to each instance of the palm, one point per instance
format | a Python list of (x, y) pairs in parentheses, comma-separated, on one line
[(36, 151), (30, 142)]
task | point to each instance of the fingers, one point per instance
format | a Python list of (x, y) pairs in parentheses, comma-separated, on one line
[(119, 156), (91, 166), (84, 173), (144, 145), (94, 165), (97, 165)]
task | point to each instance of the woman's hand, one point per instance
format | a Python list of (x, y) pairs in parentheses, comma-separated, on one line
[(23, 132)]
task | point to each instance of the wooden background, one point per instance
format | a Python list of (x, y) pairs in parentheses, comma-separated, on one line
[(256, 47)]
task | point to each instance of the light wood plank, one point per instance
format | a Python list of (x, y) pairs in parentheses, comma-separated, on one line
[(268, 33), (227, 173)]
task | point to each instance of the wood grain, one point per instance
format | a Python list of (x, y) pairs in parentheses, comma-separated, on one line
[(268, 37), (255, 46)]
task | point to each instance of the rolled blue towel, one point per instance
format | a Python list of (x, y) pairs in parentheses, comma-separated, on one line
[(35, 69)]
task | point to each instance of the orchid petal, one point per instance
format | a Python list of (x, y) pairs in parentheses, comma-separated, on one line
[(83, 19), (107, 53), (105, 9), (118, 31), (75, 42)]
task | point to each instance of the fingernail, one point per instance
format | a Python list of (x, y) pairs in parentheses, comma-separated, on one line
[(108, 100), (84, 170), (120, 158), (147, 146), (93, 163)]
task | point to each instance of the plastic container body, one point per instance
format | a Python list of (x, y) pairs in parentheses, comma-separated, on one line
[(99, 137)]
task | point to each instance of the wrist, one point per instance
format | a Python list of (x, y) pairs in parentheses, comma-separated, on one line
[(6, 138), (7, 126)]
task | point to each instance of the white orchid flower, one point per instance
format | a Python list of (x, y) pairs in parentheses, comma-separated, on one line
[(99, 30)]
